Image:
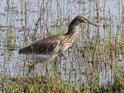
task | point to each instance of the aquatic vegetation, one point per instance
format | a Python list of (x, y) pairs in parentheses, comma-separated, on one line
[(94, 63)]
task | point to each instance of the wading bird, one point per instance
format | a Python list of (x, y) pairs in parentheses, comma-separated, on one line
[(49, 48)]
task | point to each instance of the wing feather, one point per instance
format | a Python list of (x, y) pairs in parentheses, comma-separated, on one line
[(40, 47)]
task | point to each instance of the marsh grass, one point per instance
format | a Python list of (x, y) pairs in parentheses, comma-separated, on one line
[(48, 84), (93, 64), (40, 84)]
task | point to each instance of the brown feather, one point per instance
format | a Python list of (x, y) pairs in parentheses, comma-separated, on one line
[(44, 46)]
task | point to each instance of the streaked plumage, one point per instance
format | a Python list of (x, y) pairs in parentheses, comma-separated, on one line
[(48, 48)]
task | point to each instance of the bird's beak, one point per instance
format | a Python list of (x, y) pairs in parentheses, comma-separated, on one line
[(92, 23)]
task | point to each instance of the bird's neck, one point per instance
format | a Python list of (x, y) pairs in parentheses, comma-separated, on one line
[(72, 30)]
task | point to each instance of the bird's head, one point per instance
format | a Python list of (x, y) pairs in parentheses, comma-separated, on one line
[(81, 19)]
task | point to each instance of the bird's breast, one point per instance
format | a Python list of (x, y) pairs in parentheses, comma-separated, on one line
[(67, 42)]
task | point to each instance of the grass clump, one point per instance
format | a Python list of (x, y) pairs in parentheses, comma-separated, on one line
[(40, 84)]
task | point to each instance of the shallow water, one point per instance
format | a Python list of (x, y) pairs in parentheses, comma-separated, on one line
[(55, 17)]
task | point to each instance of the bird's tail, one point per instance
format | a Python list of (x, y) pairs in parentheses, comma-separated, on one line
[(25, 50)]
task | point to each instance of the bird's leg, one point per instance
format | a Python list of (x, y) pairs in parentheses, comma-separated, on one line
[(31, 67), (62, 55)]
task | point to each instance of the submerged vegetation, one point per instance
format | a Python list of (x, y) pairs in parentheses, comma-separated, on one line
[(93, 64)]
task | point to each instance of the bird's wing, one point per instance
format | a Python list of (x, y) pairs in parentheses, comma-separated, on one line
[(44, 46)]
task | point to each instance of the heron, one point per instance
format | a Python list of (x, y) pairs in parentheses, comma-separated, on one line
[(47, 49)]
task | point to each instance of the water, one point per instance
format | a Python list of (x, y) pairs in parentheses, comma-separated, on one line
[(55, 17)]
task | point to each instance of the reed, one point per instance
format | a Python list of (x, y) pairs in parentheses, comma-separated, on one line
[(94, 63)]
